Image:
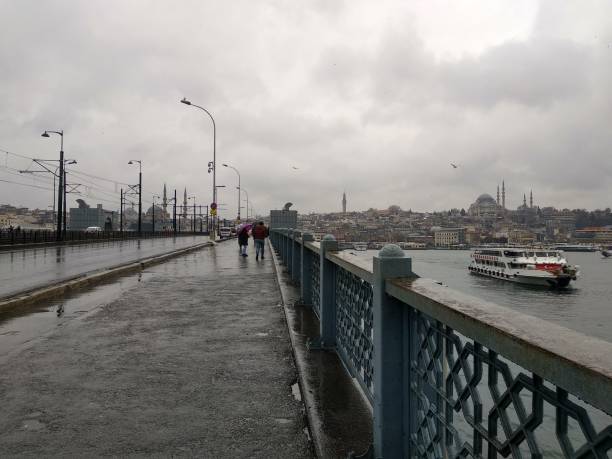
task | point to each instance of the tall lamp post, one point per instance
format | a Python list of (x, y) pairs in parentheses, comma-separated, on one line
[(61, 185), (212, 167), (236, 170), (132, 161)]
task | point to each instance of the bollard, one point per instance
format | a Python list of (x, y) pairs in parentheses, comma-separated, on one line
[(390, 359), (306, 270), (327, 293)]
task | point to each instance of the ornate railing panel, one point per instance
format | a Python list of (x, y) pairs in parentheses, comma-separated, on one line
[(354, 325), (471, 402), (315, 285)]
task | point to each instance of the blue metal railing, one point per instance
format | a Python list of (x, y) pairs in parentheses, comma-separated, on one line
[(449, 375)]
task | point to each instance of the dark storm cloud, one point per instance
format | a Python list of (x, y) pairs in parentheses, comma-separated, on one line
[(350, 93)]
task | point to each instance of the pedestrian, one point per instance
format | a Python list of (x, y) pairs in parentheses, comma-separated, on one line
[(243, 241), (260, 233)]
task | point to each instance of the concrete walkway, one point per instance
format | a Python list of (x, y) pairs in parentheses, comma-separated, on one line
[(194, 360)]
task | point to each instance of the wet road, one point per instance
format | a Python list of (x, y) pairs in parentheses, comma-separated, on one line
[(191, 358), (26, 269)]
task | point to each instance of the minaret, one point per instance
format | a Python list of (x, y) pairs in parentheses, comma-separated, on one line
[(503, 195), (531, 199), (165, 202), (524, 200), (497, 195), (344, 202), (185, 205)]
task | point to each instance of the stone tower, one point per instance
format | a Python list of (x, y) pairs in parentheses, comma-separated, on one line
[(531, 199), (165, 202), (503, 195), (344, 202)]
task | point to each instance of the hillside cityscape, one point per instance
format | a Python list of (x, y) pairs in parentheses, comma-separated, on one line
[(486, 220)]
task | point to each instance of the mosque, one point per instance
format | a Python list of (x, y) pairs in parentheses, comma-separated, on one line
[(489, 208)]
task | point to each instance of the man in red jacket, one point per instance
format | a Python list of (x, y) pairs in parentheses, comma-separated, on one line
[(260, 233)]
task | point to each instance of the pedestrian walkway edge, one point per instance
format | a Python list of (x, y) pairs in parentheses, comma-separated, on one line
[(92, 278), (306, 395)]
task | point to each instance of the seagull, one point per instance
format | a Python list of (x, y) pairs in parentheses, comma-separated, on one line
[(295, 168), (454, 166)]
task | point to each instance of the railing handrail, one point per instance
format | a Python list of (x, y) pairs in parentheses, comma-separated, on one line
[(580, 364), (355, 265)]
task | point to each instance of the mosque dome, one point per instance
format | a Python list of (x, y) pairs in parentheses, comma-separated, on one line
[(485, 206), (485, 198)]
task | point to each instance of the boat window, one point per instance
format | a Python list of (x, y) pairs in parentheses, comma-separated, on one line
[(541, 254), (513, 253)]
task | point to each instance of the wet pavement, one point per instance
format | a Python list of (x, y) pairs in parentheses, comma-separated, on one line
[(191, 358), (25, 269), (339, 413)]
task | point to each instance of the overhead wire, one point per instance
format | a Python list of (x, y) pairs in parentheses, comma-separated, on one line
[(86, 177)]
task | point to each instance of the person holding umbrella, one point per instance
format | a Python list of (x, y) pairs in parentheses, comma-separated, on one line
[(243, 238)]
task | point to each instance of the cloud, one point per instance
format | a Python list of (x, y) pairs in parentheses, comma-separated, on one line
[(374, 99)]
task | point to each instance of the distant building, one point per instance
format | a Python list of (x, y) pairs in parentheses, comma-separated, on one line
[(447, 237), (284, 218), (85, 216), (344, 202), (485, 206)]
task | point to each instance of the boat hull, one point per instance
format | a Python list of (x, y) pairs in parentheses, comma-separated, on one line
[(549, 281)]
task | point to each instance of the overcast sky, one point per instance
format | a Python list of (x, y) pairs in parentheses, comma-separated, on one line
[(375, 98)]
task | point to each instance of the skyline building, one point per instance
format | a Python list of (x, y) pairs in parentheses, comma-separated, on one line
[(344, 202)]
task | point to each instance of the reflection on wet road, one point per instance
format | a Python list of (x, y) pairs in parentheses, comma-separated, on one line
[(26, 269)]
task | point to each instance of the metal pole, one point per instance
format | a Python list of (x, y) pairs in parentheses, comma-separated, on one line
[(140, 200), (194, 206), (65, 174), (121, 214), (153, 221), (214, 168), (60, 196), (174, 214)]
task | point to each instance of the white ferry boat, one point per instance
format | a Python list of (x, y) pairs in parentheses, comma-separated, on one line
[(542, 267), (360, 246)]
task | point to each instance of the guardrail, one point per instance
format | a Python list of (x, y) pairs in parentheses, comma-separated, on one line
[(448, 375), (15, 237)]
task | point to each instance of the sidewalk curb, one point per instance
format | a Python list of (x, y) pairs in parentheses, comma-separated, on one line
[(309, 401), (92, 278), (51, 244)]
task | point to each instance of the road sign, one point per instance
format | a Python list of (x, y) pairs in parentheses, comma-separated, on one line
[(213, 212), (213, 205)]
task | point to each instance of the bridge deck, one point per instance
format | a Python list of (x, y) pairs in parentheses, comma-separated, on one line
[(195, 360)]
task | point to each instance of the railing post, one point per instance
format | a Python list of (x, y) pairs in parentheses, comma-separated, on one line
[(295, 257), (306, 270), (327, 293), (290, 251), (391, 389)]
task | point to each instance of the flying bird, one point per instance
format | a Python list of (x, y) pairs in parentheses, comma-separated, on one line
[(296, 168), (454, 166)]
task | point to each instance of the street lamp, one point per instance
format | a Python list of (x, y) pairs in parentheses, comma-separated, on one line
[(132, 161), (212, 167), (61, 188), (236, 170)]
